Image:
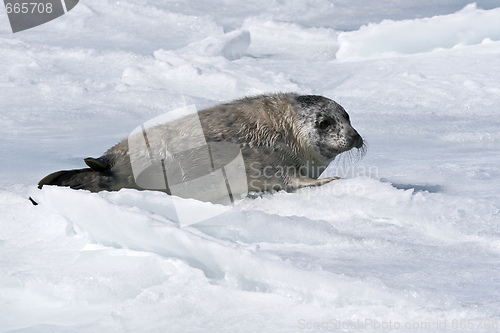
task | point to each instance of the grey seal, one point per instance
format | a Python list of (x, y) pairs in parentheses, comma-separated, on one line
[(286, 141)]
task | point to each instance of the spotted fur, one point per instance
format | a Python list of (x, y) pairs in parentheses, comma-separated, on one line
[(286, 141)]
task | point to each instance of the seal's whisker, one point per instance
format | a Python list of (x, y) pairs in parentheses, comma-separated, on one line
[(345, 159)]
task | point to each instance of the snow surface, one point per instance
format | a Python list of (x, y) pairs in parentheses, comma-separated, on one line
[(409, 236)]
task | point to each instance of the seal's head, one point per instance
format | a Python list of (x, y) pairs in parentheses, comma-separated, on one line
[(327, 125)]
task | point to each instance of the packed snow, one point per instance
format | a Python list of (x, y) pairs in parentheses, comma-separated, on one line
[(466, 27), (408, 239)]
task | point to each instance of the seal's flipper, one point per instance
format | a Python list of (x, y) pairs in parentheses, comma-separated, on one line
[(305, 182), (65, 178), (98, 164)]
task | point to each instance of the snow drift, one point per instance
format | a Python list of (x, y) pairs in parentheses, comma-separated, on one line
[(389, 38)]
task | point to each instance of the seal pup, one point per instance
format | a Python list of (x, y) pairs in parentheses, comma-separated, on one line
[(286, 141)]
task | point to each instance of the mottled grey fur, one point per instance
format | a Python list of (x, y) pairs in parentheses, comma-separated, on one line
[(286, 141)]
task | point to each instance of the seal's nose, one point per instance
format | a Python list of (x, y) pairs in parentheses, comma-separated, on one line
[(357, 140)]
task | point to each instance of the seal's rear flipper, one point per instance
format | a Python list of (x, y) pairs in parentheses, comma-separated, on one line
[(86, 179), (71, 178), (98, 164), (93, 179), (96, 178)]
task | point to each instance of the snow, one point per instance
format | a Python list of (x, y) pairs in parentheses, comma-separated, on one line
[(410, 235), (466, 27)]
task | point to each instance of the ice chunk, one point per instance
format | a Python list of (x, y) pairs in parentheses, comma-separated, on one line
[(391, 38)]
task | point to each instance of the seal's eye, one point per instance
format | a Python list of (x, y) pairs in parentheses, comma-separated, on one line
[(347, 117), (324, 124)]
